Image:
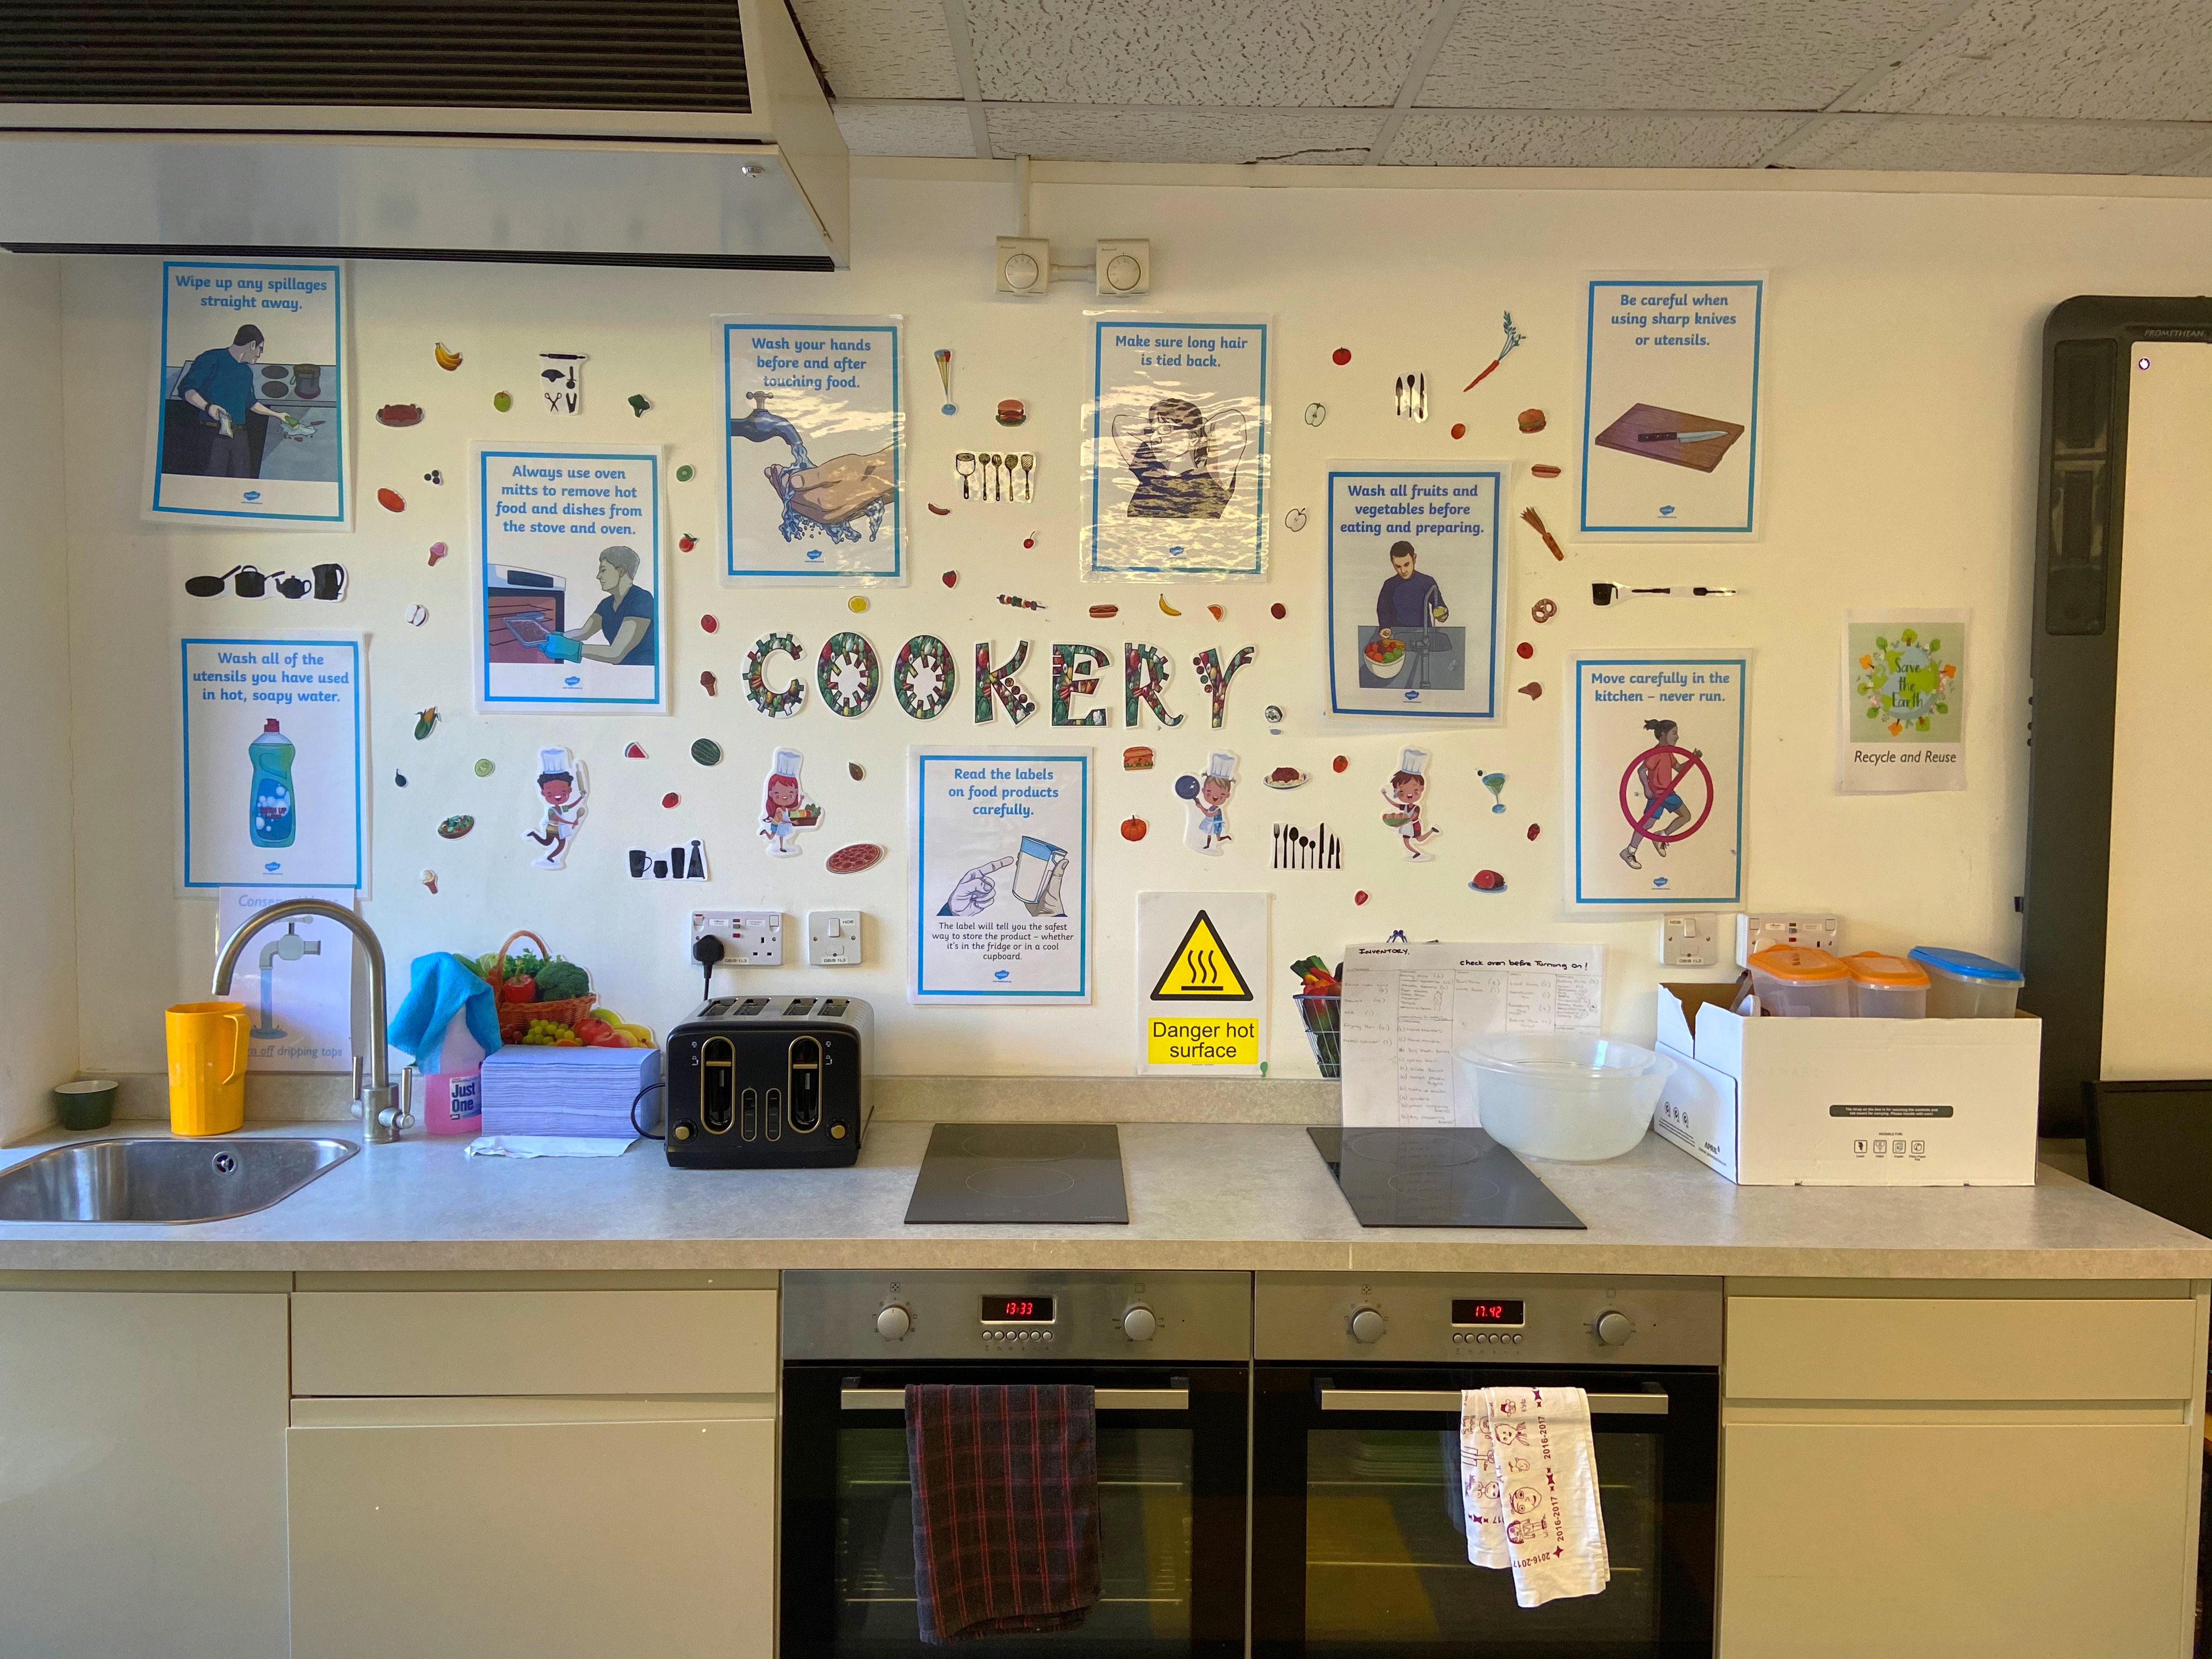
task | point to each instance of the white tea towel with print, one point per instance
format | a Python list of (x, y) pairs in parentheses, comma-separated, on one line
[(1529, 1477)]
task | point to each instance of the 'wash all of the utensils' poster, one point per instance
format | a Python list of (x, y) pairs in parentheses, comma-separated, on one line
[(1671, 404), (1407, 1007)]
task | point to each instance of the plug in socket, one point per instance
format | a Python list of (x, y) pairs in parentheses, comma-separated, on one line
[(750, 938)]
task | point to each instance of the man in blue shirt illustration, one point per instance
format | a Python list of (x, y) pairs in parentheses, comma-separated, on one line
[(624, 618), (219, 383), (1409, 597)]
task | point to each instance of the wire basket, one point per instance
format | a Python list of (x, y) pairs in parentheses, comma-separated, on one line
[(1320, 1014)]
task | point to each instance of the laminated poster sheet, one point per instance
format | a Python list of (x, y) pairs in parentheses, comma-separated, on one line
[(1000, 874), (1174, 448), (1407, 1007), (813, 477), (246, 427), (1903, 703), (296, 981)]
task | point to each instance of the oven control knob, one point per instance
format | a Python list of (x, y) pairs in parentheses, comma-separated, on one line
[(1368, 1326), (893, 1323), (1140, 1324), (1614, 1329)]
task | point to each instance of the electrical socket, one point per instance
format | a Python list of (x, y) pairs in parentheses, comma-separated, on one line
[(750, 938), (1756, 932), (1689, 940), (833, 939)]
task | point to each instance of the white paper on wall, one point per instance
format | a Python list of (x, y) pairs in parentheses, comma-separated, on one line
[(295, 979)]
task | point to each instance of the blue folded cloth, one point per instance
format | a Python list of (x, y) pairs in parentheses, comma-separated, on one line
[(442, 986)]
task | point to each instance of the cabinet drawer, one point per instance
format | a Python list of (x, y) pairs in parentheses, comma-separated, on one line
[(1882, 1348), (526, 1342)]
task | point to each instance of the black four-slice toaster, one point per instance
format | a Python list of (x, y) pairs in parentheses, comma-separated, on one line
[(769, 1083)]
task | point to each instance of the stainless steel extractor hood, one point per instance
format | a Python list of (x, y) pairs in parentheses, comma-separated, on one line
[(639, 132)]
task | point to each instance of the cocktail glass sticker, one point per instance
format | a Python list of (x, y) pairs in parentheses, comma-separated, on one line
[(785, 808), (831, 499), (561, 792), (1903, 684), (1401, 804), (562, 377), (1663, 818), (1206, 802)]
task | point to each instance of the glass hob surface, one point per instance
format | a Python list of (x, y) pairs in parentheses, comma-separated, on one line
[(1068, 1174), (1437, 1178)]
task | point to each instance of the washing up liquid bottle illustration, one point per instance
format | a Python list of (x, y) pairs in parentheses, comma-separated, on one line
[(270, 809)]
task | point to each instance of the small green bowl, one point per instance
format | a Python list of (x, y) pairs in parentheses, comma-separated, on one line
[(87, 1103)]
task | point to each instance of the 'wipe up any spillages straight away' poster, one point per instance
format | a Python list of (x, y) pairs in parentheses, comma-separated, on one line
[(571, 580), (813, 476), (1903, 703), (1671, 406), (1174, 448), (274, 739), (247, 429), (1000, 874)]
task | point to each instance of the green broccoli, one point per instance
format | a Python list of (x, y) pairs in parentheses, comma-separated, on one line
[(558, 980)]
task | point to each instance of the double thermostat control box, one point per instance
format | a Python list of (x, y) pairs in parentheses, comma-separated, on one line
[(1770, 1101)]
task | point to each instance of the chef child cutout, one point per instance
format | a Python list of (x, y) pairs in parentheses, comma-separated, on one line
[(1204, 801), (785, 808), (1403, 795), (560, 787)]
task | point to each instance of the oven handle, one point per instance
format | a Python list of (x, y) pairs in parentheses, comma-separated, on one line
[(1441, 1400), (1107, 1400)]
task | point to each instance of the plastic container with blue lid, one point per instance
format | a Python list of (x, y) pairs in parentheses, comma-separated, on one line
[(1964, 986)]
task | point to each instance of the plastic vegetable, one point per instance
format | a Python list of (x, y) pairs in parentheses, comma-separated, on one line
[(558, 981)]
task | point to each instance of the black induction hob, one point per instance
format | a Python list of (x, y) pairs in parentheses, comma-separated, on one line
[(1436, 1178), (1064, 1173)]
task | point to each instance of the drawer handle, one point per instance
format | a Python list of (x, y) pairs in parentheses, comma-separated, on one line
[(1107, 1400), (1445, 1400)]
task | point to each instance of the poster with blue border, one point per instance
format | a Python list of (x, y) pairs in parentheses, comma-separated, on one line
[(1416, 589), (1671, 406), (571, 608), (247, 429), (1174, 448), (1655, 788), (814, 459), (274, 752), (1001, 875)]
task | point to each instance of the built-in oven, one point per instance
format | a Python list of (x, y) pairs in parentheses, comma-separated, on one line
[(1359, 1532), (1169, 1356)]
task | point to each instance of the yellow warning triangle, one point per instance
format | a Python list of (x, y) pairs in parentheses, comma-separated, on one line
[(1201, 969)]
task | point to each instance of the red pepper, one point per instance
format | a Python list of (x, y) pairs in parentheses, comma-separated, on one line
[(520, 988)]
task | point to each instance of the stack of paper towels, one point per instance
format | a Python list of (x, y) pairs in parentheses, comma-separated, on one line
[(532, 1090)]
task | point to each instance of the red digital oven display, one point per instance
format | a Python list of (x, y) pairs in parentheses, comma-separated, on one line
[(1018, 1310), (1489, 1313)]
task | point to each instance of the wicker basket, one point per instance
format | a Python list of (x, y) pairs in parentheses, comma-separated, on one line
[(515, 1018)]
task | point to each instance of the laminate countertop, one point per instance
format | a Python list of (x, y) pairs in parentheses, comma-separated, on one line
[(1242, 1196)]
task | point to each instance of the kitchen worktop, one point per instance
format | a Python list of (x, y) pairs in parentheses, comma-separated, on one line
[(1219, 1196)]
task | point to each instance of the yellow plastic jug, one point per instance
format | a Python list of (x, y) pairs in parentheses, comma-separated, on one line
[(207, 1067)]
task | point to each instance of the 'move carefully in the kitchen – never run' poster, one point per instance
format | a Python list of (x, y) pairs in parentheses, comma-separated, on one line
[(248, 428), (1000, 874), (813, 476)]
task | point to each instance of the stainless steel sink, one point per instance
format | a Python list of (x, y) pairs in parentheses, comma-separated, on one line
[(146, 1180)]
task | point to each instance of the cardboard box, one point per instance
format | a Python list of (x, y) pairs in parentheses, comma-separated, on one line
[(1848, 1103)]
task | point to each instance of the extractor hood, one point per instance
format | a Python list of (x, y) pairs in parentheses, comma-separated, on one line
[(628, 132)]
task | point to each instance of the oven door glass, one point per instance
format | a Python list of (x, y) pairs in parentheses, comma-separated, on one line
[(1167, 1588), (1360, 1538)]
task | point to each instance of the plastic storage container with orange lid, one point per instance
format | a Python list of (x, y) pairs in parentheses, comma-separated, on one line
[(1798, 981), (1885, 987)]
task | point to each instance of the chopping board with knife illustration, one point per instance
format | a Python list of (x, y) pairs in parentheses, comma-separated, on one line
[(1673, 435)]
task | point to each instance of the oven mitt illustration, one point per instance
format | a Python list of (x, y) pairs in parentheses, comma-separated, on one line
[(561, 648)]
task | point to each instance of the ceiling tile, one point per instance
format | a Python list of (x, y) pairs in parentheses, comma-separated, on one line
[(1668, 54), (1060, 132), (905, 129), (1296, 52), (1527, 138), (2143, 60), (881, 48), (1905, 144)]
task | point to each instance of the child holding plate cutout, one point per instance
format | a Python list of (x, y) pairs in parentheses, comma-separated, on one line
[(1402, 796)]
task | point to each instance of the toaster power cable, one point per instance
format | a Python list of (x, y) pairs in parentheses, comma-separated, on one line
[(707, 951), (639, 1096)]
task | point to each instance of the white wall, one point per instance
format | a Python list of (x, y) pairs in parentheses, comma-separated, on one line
[(38, 923), (1902, 400)]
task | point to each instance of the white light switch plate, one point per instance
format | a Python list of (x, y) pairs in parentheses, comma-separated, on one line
[(1690, 939), (833, 939), (750, 938), (1755, 932)]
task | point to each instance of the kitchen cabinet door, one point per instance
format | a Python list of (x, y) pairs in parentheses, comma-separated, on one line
[(142, 1474), (2003, 1540), (533, 1540)]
